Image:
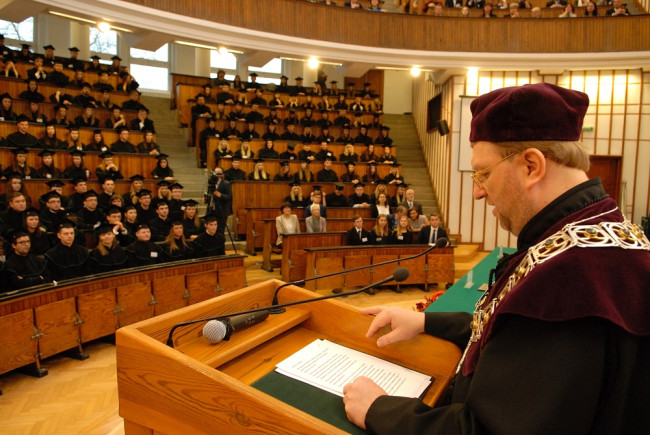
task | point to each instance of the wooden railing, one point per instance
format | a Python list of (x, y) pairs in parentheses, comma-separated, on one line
[(45, 320), (417, 32)]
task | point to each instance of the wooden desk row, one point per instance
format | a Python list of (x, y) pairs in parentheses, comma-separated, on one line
[(260, 230), (15, 86), (271, 194), (129, 164), (85, 133), (36, 188), (21, 107), (42, 321), (435, 267), (90, 76)]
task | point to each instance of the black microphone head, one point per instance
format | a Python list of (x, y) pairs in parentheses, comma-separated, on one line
[(400, 274), (442, 242), (214, 331)]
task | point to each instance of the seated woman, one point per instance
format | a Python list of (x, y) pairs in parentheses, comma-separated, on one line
[(148, 146), (14, 183), (19, 165), (295, 198), (131, 197), (175, 246), (268, 151), (315, 223), (348, 154), (402, 235), (223, 150), (47, 168), (6, 109), (117, 201), (286, 223), (416, 221), (40, 242), (108, 255), (259, 174), (97, 143), (77, 169), (72, 140), (49, 141), (192, 225), (369, 155), (244, 151), (304, 174), (394, 177), (350, 175), (381, 188), (108, 168), (380, 207), (284, 174), (371, 176), (162, 169), (380, 234)]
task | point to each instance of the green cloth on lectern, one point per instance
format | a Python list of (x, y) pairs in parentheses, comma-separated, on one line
[(307, 398), (457, 297)]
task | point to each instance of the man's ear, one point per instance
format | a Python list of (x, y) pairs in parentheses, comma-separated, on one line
[(535, 163)]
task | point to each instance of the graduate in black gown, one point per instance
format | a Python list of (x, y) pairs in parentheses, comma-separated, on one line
[(176, 247), (143, 252), (22, 268), (108, 255), (67, 260), (210, 242)]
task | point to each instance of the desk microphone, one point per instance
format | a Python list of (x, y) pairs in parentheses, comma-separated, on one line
[(244, 318), (440, 243)]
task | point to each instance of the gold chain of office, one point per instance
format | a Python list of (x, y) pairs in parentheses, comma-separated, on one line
[(624, 235)]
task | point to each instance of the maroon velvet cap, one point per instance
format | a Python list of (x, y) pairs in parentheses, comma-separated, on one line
[(526, 113)]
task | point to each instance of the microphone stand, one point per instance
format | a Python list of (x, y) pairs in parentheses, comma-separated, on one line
[(170, 341), (440, 243)]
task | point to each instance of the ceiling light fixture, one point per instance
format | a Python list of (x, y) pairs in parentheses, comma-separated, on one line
[(415, 71), (312, 63), (86, 20)]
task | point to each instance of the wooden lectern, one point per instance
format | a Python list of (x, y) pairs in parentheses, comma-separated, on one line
[(198, 387)]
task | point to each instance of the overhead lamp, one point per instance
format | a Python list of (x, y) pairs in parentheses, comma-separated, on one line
[(223, 51), (103, 27), (312, 63), (415, 71)]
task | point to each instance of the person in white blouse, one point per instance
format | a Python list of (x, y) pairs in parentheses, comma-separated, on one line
[(286, 223)]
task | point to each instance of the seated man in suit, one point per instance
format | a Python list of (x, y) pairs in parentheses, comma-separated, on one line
[(357, 235), (410, 201), (433, 232)]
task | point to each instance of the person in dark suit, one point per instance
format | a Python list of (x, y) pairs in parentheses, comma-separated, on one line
[(357, 235), (219, 199), (430, 233), (410, 202)]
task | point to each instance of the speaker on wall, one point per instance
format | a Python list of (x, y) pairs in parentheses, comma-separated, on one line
[(443, 127)]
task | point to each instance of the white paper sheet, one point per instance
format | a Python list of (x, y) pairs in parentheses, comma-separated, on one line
[(330, 367)]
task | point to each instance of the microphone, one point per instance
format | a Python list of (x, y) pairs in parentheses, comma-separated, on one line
[(399, 275), (440, 243), (216, 330)]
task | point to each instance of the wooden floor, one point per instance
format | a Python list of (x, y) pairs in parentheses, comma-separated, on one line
[(80, 397)]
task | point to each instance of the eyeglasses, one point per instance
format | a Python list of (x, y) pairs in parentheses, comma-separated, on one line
[(479, 177)]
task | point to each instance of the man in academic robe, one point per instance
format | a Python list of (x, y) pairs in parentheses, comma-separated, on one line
[(161, 224), (211, 242), (359, 198), (144, 252), (67, 260), (327, 174), (23, 269), (22, 137), (89, 216)]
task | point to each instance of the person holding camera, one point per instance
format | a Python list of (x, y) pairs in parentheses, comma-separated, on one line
[(219, 198)]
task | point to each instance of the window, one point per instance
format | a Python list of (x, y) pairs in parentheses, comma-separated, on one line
[(103, 42), (228, 61), (23, 31), (160, 55), (274, 66), (151, 77)]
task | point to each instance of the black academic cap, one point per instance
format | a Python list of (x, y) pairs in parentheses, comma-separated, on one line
[(136, 177), (115, 106), (51, 194), (87, 105), (22, 118), (294, 183), (210, 218), (17, 234), (143, 192), (120, 129), (175, 186), (5, 95), (350, 163), (19, 150), (350, 84), (74, 49), (315, 187), (163, 183), (387, 145), (49, 47), (359, 184), (95, 57), (142, 227), (162, 156), (190, 203), (77, 153), (284, 77), (51, 122), (366, 84), (385, 127), (26, 46), (339, 186), (78, 180), (54, 183), (161, 203), (116, 58), (31, 211), (105, 227), (46, 153), (259, 160), (106, 154), (298, 79), (58, 106), (97, 131), (284, 163), (253, 74), (73, 127), (207, 85), (90, 194), (394, 165), (333, 82), (291, 145), (381, 181)]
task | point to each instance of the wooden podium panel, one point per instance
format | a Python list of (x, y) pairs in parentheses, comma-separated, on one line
[(416, 268), (170, 294), (381, 272), (202, 286), (325, 266), (17, 341), (440, 268), (231, 279), (136, 302), (166, 390), (58, 323), (360, 278), (97, 311)]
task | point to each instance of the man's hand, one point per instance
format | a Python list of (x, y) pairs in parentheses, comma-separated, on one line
[(405, 324), (357, 398)]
